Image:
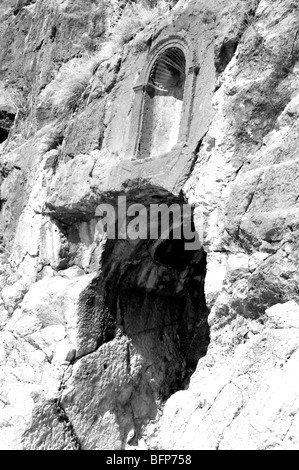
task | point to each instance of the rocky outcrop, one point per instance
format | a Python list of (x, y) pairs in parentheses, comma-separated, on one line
[(136, 344)]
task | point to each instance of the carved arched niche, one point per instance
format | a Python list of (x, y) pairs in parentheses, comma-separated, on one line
[(163, 104), (162, 109)]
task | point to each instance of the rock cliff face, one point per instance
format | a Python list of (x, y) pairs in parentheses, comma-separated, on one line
[(140, 344)]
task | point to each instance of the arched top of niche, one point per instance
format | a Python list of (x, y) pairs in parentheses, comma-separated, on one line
[(168, 71), (174, 41)]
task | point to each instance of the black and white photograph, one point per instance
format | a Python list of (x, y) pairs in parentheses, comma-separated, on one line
[(149, 227)]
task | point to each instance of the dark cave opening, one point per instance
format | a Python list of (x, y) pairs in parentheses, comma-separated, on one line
[(3, 135), (154, 292), (172, 253), (165, 314), (6, 123), (225, 54)]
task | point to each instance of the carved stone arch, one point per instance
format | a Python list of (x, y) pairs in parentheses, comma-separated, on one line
[(171, 41), (161, 115)]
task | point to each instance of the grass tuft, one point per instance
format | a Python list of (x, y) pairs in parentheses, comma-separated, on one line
[(71, 87), (135, 18), (74, 81)]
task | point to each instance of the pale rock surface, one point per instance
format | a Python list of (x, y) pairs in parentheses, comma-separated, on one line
[(247, 400)]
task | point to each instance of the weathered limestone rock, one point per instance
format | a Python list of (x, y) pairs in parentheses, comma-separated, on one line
[(123, 344), (250, 402)]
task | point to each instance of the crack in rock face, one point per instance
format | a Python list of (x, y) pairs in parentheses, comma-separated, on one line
[(6, 122)]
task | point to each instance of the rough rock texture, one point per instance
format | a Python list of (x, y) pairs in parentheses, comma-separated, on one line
[(123, 344)]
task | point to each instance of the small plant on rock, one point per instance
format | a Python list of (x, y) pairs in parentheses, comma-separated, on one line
[(135, 17), (71, 86)]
